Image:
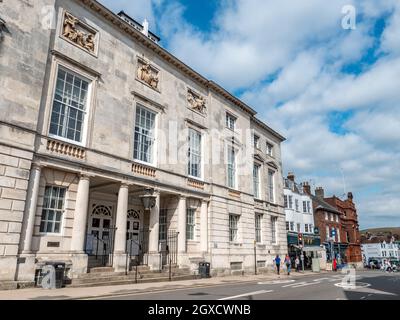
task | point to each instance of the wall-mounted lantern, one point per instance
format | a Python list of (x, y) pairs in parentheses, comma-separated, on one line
[(148, 199)]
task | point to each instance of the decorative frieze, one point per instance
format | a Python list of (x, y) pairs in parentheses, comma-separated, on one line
[(66, 149), (79, 33), (148, 74), (195, 184), (196, 102), (143, 170)]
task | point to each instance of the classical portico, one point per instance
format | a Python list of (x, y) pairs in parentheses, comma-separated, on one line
[(114, 223)]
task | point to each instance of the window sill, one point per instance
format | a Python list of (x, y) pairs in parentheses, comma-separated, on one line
[(46, 234), (196, 178), (61, 139), (148, 164)]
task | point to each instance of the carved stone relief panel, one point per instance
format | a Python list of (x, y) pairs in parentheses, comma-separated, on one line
[(148, 74), (196, 102), (79, 33)]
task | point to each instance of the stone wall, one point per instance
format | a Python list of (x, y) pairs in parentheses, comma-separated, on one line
[(14, 175)]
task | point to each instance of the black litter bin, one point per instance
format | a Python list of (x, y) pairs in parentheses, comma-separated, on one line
[(59, 268), (204, 270)]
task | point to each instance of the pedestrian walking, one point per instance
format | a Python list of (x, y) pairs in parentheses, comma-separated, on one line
[(297, 264), (288, 264), (334, 265), (277, 261)]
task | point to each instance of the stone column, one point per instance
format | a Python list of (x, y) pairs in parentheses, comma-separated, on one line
[(79, 258), (154, 255), (204, 227), (119, 261), (80, 216), (30, 207), (182, 225), (26, 267), (122, 212)]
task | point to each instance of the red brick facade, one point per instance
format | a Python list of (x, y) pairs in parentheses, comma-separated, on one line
[(342, 216), (350, 226)]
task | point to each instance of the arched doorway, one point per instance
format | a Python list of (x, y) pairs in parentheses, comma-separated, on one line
[(101, 231)]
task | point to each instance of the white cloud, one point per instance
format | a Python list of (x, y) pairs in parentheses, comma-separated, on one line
[(287, 58), (137, 9)]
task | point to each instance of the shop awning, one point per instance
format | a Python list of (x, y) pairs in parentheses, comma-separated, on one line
[(313, 248)]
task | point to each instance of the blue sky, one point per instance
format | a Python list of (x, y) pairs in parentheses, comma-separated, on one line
[(332, 92)]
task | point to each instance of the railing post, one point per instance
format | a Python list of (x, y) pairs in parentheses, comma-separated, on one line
[(126, 262), (170, 268), (97, 246), (136, 271)]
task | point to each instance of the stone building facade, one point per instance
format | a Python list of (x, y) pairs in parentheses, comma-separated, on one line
[(95, 119)]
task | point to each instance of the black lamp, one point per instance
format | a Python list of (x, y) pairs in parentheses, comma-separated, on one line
[(149, 199)]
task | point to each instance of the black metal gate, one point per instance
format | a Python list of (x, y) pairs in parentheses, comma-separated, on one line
[(137, 248), (101, 249), (169, 251)]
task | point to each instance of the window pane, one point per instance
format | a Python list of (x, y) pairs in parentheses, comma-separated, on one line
[(194, 166), (53, 205), (68, 99), (144, 135)]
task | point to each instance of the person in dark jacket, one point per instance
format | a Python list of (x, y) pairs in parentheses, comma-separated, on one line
[(277, 263), (288, 264)]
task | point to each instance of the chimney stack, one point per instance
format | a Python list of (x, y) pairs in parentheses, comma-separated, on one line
[(319, 192), (291, 176), (306, 188), (350, 196), (145, 28)]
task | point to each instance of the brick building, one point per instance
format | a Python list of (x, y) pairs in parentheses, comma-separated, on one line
[(351, 232), (327, 220)]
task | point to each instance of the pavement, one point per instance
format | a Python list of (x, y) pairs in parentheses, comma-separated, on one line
[(369, 285), (141, 288)]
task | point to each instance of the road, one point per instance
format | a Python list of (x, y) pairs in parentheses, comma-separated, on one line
[(369, 285)]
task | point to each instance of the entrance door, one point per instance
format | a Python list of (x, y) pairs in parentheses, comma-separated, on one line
[(101, 231), (132, 232)]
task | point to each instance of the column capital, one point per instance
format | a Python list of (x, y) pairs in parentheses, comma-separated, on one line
[(37, 166), (84, 176), (125, 185)]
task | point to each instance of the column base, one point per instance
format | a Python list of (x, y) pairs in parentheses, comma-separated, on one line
[(183, 260), (26, 267), (119, 262), (154, 261), (79, 264)]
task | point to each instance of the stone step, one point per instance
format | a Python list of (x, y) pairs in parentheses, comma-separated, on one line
[(101, 270), (127, 281), (96, 275), (142, 273), (8, 285)]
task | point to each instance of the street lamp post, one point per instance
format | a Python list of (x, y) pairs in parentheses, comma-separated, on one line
[(301, 244)]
